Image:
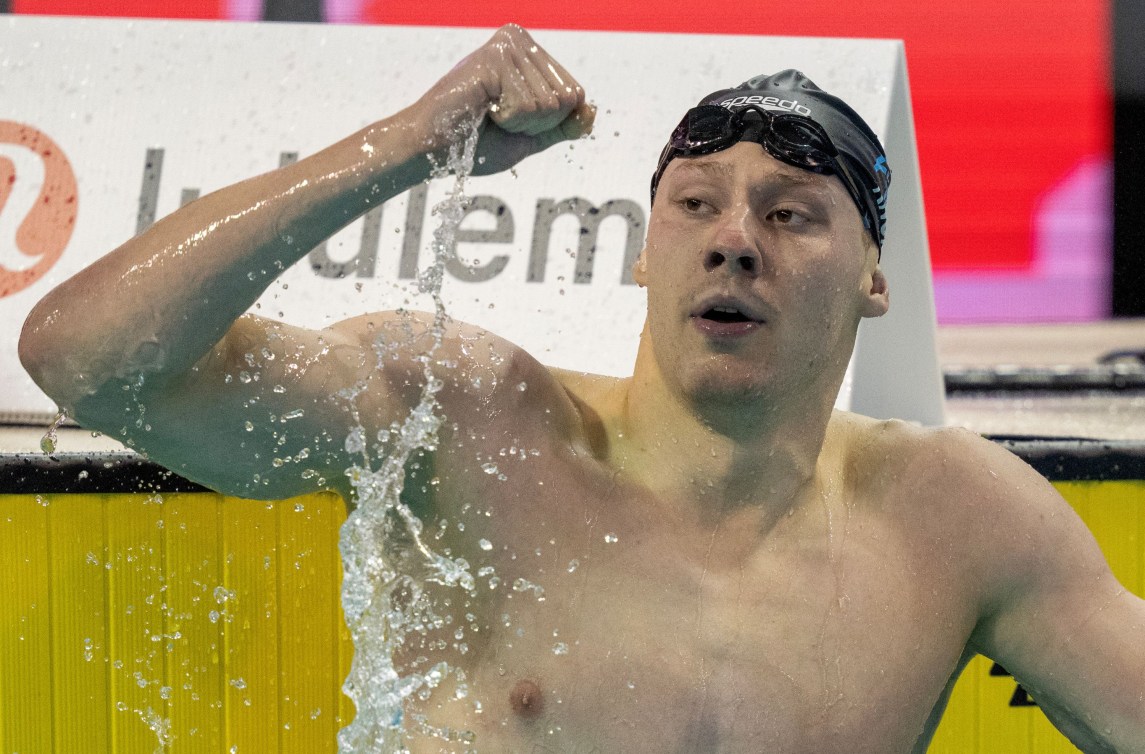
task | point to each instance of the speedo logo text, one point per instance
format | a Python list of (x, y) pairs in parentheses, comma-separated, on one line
[(774, 103)]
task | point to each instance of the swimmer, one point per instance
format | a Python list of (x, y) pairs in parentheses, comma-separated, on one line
[(756, 572)]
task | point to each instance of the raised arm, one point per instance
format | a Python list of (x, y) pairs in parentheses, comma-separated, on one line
[(144, 344), (1056, 617)]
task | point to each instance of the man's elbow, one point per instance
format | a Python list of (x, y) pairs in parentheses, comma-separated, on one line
[(55, 362), (38, 356)]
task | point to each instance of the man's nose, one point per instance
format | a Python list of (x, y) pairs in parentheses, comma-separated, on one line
[(733, 250)]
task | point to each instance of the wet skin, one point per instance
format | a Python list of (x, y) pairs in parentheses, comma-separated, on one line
[(834, 628), (753, 570), (721, 583)]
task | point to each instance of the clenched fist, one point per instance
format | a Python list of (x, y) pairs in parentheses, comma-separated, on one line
[(530, 100)]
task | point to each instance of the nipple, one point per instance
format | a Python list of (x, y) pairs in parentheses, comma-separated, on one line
[(526, 699)]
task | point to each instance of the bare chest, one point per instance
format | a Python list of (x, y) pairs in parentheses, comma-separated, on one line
[(599, 625)]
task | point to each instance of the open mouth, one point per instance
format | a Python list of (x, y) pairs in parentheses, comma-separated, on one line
[(726, 320), (725, 315)]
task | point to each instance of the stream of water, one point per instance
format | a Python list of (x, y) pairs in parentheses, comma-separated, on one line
[(383, 551)]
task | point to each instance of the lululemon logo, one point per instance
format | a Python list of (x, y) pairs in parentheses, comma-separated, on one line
[(35, 225)]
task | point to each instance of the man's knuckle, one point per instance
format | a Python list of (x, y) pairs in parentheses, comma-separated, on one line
[(511, 35)]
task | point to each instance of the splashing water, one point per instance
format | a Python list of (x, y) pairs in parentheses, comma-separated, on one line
[(383, 553), (49, 440)]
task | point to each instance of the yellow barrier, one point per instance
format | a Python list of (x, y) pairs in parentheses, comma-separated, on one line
[(219, 617), (216, 616)]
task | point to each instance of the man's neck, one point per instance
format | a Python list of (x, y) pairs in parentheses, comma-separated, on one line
[(763, 455)]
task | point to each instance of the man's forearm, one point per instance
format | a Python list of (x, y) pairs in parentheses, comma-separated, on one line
[(127, 315)]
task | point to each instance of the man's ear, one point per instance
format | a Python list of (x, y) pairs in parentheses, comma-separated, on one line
[(640, 268), (878, 295)]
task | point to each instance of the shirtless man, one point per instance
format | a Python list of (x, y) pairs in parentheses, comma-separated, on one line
[(757, 572)]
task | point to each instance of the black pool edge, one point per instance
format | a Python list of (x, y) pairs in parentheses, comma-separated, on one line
[(1057, 459), (1079, 460), (88, 473)]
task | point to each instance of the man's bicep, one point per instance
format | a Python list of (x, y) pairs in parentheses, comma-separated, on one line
[(275, 411), (264, 414), (1065, 628), (1088, 674)]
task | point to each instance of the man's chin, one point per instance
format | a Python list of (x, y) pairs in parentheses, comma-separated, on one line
[(727, 392)]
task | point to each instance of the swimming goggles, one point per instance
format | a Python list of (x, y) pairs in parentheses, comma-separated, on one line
[(794, 139)]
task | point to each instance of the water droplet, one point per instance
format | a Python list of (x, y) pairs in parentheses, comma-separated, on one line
[(355, 442), (611, 538), (485, 544), (48, 441), (560, 648), (524, 585)]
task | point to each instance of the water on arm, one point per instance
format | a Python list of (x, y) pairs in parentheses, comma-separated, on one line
[(264, 414)]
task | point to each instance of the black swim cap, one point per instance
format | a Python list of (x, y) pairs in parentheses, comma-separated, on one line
[(791, 92)]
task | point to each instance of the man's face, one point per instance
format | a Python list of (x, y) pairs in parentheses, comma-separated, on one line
[(757, 275)]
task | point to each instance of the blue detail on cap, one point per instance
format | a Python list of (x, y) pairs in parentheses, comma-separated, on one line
[(881, 166)]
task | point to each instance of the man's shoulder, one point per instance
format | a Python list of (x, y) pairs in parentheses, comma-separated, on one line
[(893, 443), (482, 376), (960, 486), (951, 473)]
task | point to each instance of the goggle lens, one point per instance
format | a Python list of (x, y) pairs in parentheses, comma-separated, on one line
[(797, 133)]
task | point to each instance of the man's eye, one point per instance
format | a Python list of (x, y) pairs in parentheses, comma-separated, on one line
[(692, 204), (787, 217)]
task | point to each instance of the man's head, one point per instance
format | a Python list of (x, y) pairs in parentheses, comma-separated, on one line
[(763, 243), (798, 123)]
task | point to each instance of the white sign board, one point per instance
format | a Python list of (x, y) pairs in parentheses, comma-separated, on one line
[(147, 115)]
